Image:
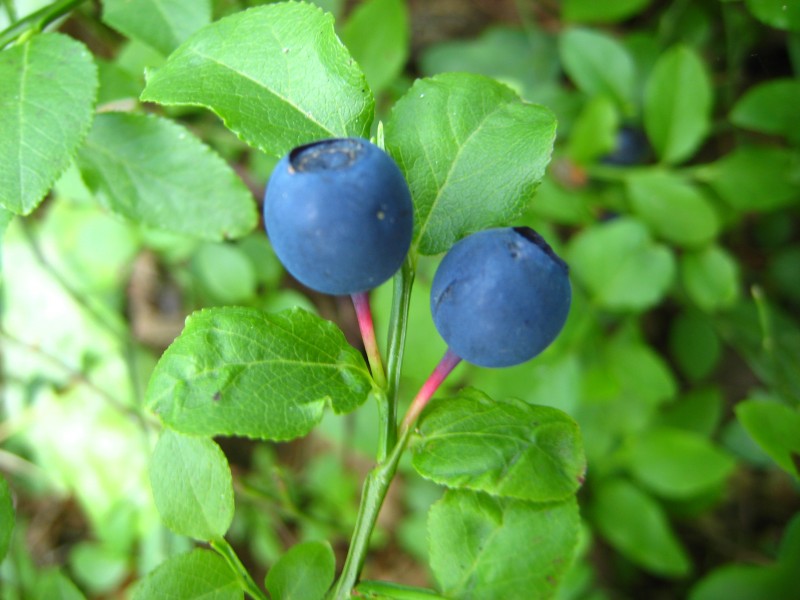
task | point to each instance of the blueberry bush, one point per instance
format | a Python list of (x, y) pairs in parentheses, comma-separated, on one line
[(569, 363)]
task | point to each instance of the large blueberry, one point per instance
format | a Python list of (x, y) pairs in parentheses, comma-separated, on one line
[(500, 296), (339, 215)]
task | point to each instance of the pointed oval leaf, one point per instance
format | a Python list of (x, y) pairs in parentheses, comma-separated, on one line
[(277, 75), (678, 464), (305, 572), (770, 108), (711, 277), (196, 575), (675, 210), (677, 104), (505, 448), (48, 87), (240, 371), (598, 65), (637, 526), (192, 485), (154, 172), (776, 428), (162, 24), (621, 265), (487, 548), (472, 152), (781, 14)]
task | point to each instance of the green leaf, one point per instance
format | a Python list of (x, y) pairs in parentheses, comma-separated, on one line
[(155, 172), (595, 131), (677, 104), (637, 527), (781, 14), (54, 585), (505, 448), (525, 60), (277, 75), (711, 278), (744, 582), (598, 65), (226, 272), (6, 517), (694, 344), (163, 24), (675, 463), (676, 211), (698, 410), (609, 11), (192, 485), (240, 371), (377, 35), (461, 139), (305, 572), (768, 108), (776, 428), (47, 92), (196, 575), (621, 265), (487, 548), (759, 178)]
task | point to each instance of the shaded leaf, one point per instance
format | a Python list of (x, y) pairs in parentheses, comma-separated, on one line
[(506, 448), (196, 575), (776, 428), (47, 91), (305, 572), (476, 542), (153, 171), (711, 277), (192, 485), (240, 371), (163, 24)]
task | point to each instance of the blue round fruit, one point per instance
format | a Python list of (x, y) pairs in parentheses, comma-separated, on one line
[(338, 213), (500, 296)]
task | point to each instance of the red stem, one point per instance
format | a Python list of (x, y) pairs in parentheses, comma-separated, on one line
[(440, 373)]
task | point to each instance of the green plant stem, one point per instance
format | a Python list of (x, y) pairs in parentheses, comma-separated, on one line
[(37, 21), (398, 324), (249, 586), (372, 496), (11, 10)]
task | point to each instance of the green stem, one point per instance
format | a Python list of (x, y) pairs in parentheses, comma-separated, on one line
[(11, 10), (37, 21), (249, 586), (375, 487), (398, 324)]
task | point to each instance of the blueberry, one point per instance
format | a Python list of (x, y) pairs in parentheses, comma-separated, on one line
[(632, 148), (500, 296), (339, 215)]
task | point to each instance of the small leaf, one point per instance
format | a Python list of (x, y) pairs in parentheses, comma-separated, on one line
[(598, 65), (192, 486), (47, 92), (636, 525), (678, 464), (305, 572), (776, 428), (196, 575), (461, 139), (153, 171), (377, 35), (54, 585), (675, 210), (755, 178), (162, 24), (781, 14), (240, 371), (768, 108), (505, 448), (677, 104), (6, 517), (277, 75), (486, 548), (594, 132), (711, 277), (621, 265)]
